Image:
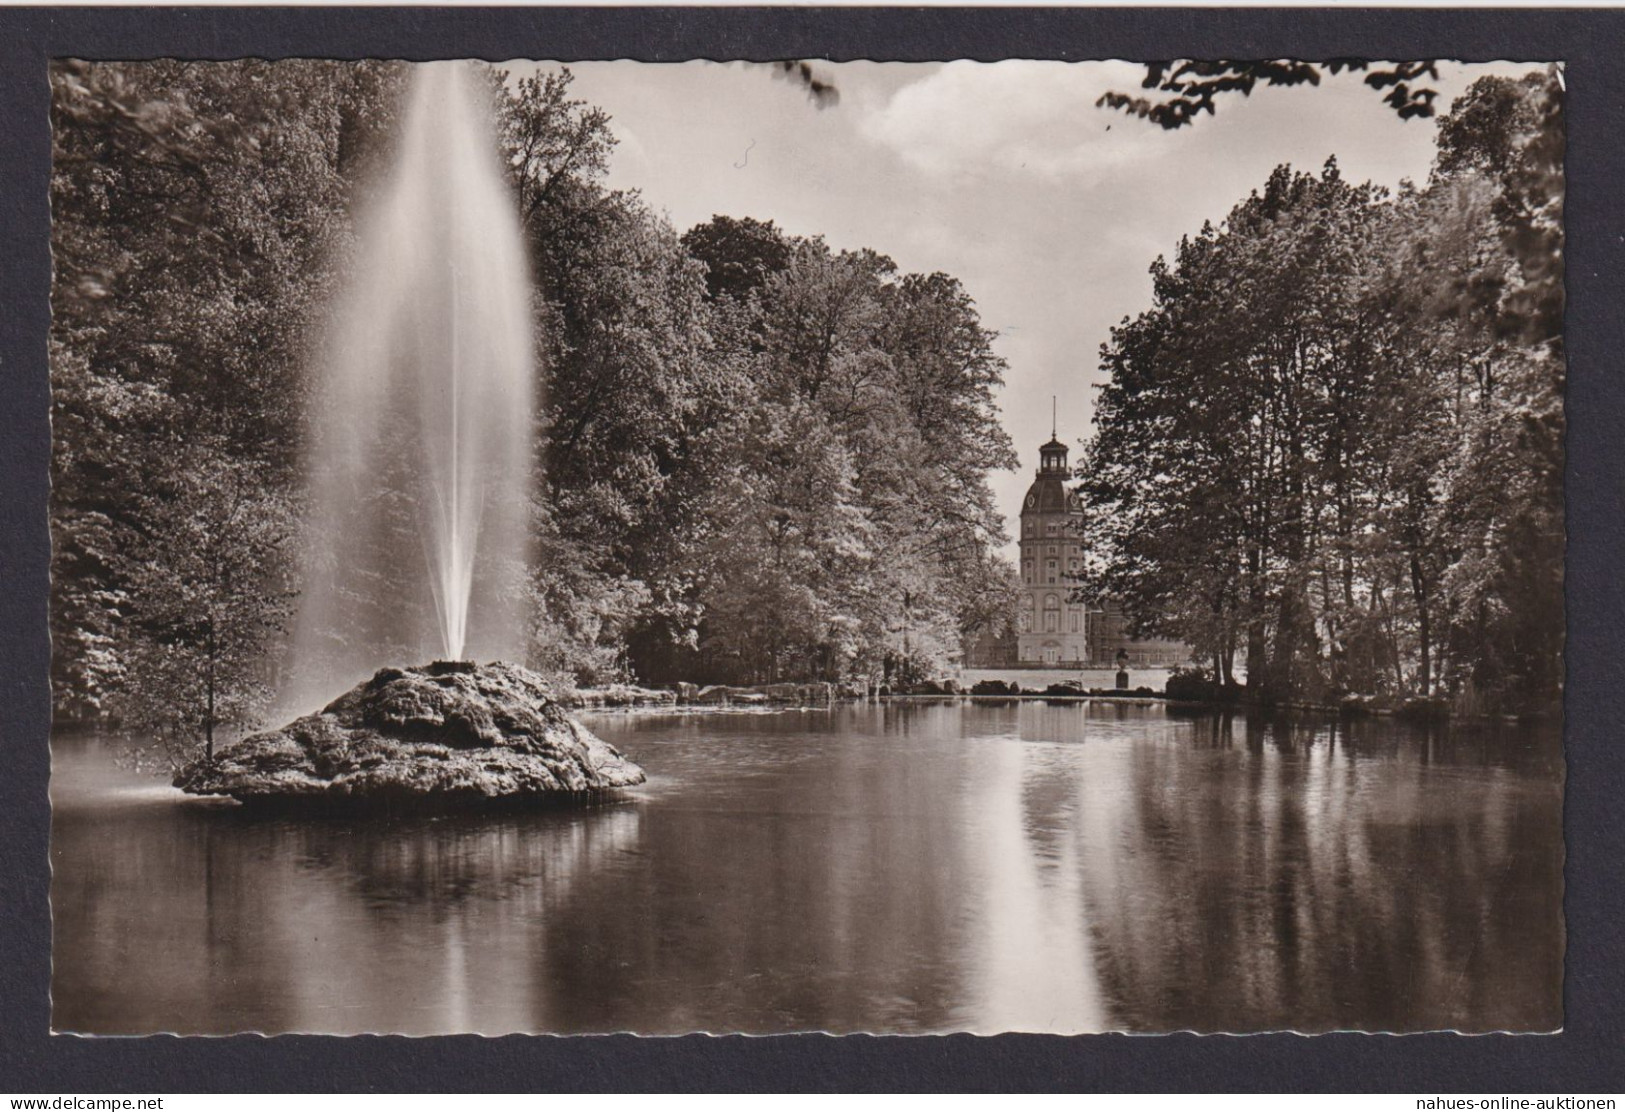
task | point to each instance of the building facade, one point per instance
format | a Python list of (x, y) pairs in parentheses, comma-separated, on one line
[(1051, 629)]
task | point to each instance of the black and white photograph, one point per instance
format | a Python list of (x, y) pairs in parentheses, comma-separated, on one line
[(806, 546)]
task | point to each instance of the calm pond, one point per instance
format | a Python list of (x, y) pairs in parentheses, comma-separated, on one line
[(912, 867)]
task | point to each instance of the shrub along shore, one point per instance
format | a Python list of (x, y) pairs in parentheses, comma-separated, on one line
[(1182, 690)]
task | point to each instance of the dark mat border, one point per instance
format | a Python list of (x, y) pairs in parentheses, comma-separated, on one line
[(1588, 1056)]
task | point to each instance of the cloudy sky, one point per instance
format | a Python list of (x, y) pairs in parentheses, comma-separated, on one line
[(1003, 174)]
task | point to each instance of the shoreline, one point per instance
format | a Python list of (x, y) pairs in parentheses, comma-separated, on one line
[(646, 701), (1133, 699)]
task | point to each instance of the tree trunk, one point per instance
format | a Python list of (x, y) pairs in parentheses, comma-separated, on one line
[(1424, 632), (1390, 636), (208, 680), (1256, 644)]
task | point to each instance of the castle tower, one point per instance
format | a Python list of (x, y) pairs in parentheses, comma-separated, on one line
[(1050, 629)]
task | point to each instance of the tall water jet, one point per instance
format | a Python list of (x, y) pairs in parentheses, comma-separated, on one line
[(421, 439)]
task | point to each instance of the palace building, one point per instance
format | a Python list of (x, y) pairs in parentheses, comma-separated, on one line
[(1051, 629)]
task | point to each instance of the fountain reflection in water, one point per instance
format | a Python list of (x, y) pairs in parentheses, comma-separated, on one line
[(421, 439)]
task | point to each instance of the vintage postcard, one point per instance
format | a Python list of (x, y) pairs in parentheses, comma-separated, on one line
[(850, 547)]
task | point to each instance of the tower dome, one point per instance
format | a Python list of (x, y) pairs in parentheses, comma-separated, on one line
[(1047, 495)]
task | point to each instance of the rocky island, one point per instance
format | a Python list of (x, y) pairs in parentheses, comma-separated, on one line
[(451, 734)]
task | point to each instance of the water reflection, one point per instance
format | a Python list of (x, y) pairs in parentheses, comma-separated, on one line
[(901, 868), (1029, 965), (1334, 875)]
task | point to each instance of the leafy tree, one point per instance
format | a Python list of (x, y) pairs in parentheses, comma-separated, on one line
[(210, 588), (556, 145), (197, 211), (1233, 415), (757, 457), (1193, 86), (1335, 440), (903, 371), (739, 255), (632, 384), (785, 572)]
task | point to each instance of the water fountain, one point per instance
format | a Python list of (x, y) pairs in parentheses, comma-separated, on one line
[(421, 455), (420, 485)]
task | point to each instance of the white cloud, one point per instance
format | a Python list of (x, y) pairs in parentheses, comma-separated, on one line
[(1015, 118), (631, 156)]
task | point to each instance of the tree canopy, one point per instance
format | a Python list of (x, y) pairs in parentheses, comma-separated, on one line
[(1333, 445), (757, 457), (1192, 88)]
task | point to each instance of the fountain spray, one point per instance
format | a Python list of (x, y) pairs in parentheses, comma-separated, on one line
[(420, 454)]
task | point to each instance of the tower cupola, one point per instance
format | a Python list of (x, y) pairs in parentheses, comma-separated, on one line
[(1052, 456), (1052, 459)]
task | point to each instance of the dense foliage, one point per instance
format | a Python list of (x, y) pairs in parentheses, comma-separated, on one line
[(1333, 447), (195, 210), (1191, 88), (760, 458)]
